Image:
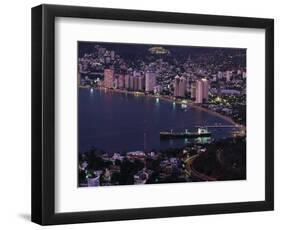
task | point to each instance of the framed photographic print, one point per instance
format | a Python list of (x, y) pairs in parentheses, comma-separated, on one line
[(142, 114)]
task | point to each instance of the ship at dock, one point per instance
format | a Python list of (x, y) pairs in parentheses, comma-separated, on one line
[(201, 132)]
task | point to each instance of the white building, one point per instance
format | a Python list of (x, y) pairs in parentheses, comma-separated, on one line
[(176, 86), (202, 91), (157, 89), (136, 83), (193, 90), (228, 75), (141, 85), (131, 82), (206, 87), (182, 87), (150, 81), (108, 78), (220, 75)]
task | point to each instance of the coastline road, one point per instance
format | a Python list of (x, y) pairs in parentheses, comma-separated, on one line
[(194, 172)]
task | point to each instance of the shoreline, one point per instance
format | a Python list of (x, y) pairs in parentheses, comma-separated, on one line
[(161, 97)]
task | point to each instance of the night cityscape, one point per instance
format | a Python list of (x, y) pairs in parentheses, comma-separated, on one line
[(150, 114)]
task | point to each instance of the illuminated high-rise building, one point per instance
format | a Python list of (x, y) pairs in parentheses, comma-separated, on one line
[(136, 82), (202, 91), (193, 90), (176, 86), (199, 92), (141, 83), (127, 81), (131, 82), (108, 78), (182, 87), (121, 81), (150, 81), (206, 87)]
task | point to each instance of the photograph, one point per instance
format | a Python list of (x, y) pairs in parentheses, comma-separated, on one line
[(161, 114), (154, 114)]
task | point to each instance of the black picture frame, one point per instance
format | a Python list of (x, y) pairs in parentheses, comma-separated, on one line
[(43, 114)]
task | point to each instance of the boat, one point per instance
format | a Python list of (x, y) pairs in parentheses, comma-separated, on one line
[(201, 132)]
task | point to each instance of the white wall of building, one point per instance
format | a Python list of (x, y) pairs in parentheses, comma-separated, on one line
[(150, 81)]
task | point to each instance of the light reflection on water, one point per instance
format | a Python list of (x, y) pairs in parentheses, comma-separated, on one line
[(116, 122)]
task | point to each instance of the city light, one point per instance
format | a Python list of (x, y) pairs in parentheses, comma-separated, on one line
[(157, 100), (160, 114), (218, 99)]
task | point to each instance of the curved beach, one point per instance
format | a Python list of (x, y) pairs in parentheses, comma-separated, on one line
[(166, 98)]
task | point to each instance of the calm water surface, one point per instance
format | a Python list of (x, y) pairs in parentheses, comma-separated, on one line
[(116, 122)]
